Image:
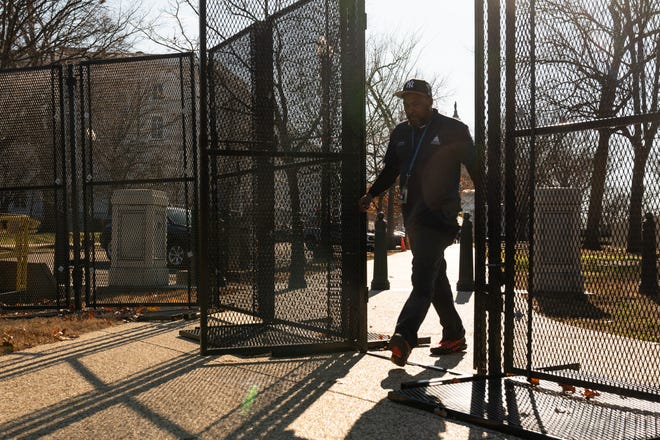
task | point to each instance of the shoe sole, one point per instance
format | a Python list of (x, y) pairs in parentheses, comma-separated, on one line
[(456, 349), (398, 344)]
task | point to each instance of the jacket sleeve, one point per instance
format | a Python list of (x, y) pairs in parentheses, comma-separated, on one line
[(384, 180), (390, 171)]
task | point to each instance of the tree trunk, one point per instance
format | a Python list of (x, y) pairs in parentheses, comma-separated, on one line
[(609, 83), (636, 197), (592, 237), (298, 263)]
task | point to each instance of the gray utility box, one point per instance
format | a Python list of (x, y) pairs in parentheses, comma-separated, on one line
[(139, 238), (557, 266)]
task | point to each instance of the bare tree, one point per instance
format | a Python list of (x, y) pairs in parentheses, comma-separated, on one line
[(22, 104), (177, 37), (561, 160), (304, 54), (45, 31), (594, 68), (642, 88), (128, 128), (584, 50), (28, 139)]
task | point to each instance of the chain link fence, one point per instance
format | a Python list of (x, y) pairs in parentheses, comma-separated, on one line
[(74, 138), (33, 235), (138, 145), (582, 170), (284, 174)]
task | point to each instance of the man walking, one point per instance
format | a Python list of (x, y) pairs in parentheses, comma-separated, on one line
[(426, 153)]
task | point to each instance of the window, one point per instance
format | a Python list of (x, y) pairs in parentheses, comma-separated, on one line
[(156, 127)]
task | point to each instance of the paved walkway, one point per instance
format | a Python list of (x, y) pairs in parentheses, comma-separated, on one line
[(141, 380)]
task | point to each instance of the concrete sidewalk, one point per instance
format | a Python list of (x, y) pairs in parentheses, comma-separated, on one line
[(141, 380)]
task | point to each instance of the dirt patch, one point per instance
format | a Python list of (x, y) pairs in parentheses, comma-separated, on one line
[(21, 330)]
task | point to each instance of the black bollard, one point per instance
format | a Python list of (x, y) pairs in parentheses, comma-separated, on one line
[(649, 282), (465, 266), (380, 281)]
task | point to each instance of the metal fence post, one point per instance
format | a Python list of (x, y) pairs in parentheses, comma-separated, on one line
[(465, 266), (75, 225), (261, 38), (649, 282), (380, 281)]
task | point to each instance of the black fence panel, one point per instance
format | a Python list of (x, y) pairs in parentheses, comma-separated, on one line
[(582, 146), (285, 173), (137, 145), (34, 239)]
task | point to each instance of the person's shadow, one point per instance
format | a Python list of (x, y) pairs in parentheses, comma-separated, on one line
[(397, 376), (389, 419)]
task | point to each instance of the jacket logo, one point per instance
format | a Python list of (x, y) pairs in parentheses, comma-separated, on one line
[(436, 140), (400, 144)]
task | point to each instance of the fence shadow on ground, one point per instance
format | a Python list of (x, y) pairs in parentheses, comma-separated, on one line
[(183, 396)]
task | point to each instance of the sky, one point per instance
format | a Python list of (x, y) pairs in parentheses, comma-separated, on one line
[(445, 29), (446, 32)]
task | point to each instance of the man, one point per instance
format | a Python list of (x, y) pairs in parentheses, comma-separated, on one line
[(426, 153)]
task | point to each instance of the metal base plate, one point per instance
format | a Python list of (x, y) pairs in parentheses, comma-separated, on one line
[(513, 405), (259, 339), (378, 341), (375, 341)]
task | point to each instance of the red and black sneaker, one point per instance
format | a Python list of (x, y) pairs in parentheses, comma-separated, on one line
[(400, 349), (450, 346)]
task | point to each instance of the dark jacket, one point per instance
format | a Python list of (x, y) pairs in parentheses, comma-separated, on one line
[(433, 188)]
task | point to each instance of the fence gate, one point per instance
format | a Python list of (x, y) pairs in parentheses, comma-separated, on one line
[(284, 156), (136, 131), (71, 137), (569, 289), (34, 270), (582, 160)]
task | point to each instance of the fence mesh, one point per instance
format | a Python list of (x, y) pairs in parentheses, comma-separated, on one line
[(138, 147), (33, 235), (71, 138), (278, 178), (582, 188)]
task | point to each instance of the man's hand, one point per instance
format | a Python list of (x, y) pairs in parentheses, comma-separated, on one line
[(365, 202)]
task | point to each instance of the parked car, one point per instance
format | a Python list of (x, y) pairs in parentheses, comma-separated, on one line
[(179, 222), (394, 242)]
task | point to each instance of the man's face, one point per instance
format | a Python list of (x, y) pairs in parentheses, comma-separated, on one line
[(418, 108)]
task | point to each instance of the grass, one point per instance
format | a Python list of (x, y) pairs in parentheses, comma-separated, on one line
[(39, 239), (613, 303), (20, 330)]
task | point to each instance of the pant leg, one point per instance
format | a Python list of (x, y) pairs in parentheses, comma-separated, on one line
[(428, 263), (443, 303)]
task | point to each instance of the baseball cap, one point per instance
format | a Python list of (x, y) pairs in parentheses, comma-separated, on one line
[(418, 86)]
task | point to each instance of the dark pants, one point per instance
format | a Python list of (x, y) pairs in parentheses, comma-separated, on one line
[(430, 285)]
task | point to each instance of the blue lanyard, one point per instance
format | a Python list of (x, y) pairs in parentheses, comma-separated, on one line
[(419, 144)]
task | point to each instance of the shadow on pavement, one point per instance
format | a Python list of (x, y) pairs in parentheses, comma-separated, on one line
[(390, 420), (186, 396)]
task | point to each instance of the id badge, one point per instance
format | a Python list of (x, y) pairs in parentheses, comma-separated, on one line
[(403, 194)]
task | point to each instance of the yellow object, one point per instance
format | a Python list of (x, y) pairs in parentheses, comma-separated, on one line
[(19, 226)]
